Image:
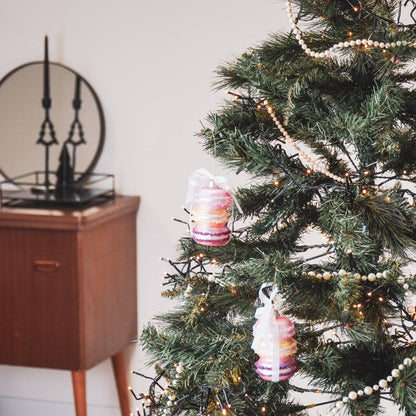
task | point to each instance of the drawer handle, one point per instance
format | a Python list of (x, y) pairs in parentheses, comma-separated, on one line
[(46, 266)]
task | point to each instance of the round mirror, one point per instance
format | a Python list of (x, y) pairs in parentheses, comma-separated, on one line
[(22, 115)]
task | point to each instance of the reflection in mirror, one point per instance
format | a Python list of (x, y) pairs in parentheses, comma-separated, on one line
[(21, 93)]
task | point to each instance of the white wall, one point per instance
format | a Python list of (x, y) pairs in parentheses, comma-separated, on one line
[(151, 63)]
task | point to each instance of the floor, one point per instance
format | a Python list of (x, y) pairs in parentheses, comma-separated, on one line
[(10, 406)]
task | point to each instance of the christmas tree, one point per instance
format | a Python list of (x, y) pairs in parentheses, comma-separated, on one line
[(324, 120)]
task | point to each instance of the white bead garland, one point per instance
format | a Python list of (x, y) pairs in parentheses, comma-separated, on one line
[(341, 45), (383, 383), (368, 390), (371, 277), (302, 155), (212, 278), (395, 373), (179, 368), (187, 292), (325, 54), (326, 275), (352, 395)]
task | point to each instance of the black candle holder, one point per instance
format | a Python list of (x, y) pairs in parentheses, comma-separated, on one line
[(47, 125), (76, 124), (60, 183)]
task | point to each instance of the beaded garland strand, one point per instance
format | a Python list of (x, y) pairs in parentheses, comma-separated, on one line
[(383, 383), (395, 372), (324, 276), (305, 157), (371, 277), (325, 54), (302, 155), (340, 45), (352, 395), (368, 390)]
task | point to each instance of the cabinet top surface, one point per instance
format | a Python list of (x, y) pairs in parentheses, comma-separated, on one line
[(68, 218)]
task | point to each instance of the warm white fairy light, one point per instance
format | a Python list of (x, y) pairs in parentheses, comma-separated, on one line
[(371, 277), (341, 45), (302, 155), (395, 372)]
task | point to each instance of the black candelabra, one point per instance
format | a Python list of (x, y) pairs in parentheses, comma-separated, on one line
[(47, 137)]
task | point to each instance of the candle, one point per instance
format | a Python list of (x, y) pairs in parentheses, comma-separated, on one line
[(76, 102), (46, 101)]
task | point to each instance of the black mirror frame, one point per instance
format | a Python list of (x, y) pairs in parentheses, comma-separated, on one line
[(101, 139)]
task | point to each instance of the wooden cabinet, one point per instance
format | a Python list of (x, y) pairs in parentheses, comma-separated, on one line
[(68, 289)]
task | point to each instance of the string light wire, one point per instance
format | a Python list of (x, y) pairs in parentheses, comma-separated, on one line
[(341, 45)]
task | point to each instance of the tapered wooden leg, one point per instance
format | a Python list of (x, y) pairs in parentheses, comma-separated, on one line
[(121, 382), (80, 396)]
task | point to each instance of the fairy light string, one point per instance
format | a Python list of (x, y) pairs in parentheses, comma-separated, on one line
[(395, 373), (197, 269), (223, 404), (365, 43), (382, 384), (352, 177)]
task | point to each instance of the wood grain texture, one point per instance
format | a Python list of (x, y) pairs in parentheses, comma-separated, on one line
[(108, 295), (77, 314), (38, 311)]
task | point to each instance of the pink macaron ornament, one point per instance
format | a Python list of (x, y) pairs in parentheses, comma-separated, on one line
[(273, 342), (210, 223), (210, 199)]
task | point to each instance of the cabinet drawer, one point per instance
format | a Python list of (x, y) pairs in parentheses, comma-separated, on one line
[(39, 319)]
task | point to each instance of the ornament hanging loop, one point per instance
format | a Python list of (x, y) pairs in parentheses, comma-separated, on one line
[(265, 297)]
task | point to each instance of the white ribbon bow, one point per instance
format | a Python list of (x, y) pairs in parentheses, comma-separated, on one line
[(267, 330), (202, 177)]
